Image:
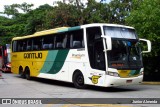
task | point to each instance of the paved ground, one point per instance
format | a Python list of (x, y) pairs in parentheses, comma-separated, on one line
[(11, 86)]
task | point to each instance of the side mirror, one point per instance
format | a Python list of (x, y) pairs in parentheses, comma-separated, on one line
[(148, 45), (108, 42)]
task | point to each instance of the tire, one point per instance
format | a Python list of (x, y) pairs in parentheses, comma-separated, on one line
[(21, 74), (78, 80), (27, 74)]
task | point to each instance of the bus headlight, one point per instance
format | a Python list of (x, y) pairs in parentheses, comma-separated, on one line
[(115, 74)]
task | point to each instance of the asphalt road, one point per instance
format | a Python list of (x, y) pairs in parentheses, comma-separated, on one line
[(12, 86)]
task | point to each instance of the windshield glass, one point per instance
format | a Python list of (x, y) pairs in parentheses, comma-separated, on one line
[(119, 32), (126, 52)]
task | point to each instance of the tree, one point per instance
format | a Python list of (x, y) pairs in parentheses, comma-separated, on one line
[(10, 9), (14, 8), (66, 15), (38, 19), (119, 10), (15, 25), (25, 7), (146, 19), (95, 12)]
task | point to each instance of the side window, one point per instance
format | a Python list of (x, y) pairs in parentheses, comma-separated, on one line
[(19, 45), (61, 41), (47, 42), (24, 45), (37, 43), (76, 39), (14, 46), (29, 45)]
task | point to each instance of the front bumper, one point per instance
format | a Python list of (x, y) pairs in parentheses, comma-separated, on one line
[(117, 81)]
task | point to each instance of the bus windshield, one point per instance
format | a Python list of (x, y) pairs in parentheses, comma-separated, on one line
[(126, 52), (120, 32)]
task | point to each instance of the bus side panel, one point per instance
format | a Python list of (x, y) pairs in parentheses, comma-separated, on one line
[(33, 60), (76, 61), (55, 65), (95, 77), (15, 62)]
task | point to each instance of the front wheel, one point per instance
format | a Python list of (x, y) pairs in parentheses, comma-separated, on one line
[(78, 80)]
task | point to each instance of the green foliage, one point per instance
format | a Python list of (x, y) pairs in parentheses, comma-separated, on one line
[(146, 19), (94, 13), (65, 15), (47, 17), (4, 30), (25, 7), (14, 26), (10, 9), (119, 10), (14, 9), (37, 19)]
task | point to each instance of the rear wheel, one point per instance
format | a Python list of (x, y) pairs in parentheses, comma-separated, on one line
[(27, 74), (78, 80), (21, 74)]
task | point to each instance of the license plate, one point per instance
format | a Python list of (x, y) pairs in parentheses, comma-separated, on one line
[(129, 81)]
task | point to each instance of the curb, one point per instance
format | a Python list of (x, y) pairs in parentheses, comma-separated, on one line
[(151, 83)]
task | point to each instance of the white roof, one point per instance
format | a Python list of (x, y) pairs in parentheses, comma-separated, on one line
[(105, 24)]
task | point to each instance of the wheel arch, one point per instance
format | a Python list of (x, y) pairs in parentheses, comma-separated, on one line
[(21, 68), (27, 73), (76, 71), (26, 69), (78, 79), (21, 71)]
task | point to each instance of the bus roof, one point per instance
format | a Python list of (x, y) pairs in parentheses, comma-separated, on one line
[(64, 29), (105, 24), (41, 33), (48, 32)]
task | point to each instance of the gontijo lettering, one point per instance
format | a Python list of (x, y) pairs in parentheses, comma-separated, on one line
[(33, 55)]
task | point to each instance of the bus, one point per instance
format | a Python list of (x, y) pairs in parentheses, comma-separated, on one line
[(5, 58), (96, 54)]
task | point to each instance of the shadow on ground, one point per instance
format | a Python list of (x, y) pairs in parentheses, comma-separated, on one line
[(93, 88)]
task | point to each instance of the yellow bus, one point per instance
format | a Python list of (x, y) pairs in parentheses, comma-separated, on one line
[(94, 54)]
